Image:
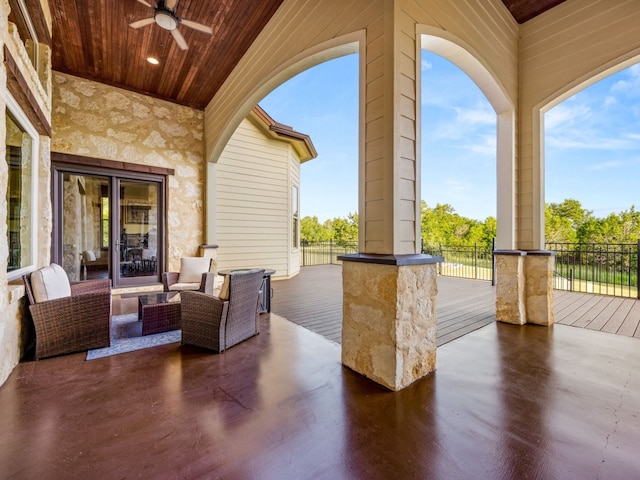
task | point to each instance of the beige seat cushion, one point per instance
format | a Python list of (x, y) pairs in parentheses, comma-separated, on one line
[(178, 286), (192, 268), (49, 283)]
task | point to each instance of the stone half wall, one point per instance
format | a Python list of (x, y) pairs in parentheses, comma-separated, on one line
[(96, 120)]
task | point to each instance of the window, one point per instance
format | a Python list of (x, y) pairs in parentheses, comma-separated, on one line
[(295, 214), (19, 15), (21, 154)]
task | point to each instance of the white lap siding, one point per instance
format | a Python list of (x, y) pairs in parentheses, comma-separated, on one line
[(253, 184)]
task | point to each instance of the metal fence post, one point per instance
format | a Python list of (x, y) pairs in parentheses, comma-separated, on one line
[(475, 261), (493, 262), (330, 251)]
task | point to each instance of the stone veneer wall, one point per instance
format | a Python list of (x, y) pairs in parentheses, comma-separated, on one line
[(13, 335), (96, 120)]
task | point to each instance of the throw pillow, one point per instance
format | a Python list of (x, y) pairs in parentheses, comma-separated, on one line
[(192, 268), (49, 283)]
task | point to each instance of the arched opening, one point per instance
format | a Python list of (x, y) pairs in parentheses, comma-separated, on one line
[(322, 102), (485, 126), (591, 163), (458, 153), (454, 50)]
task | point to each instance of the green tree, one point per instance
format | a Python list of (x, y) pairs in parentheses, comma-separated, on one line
[(442, 225), (623, 227), (345, 230), (571, 210), (312, 231), (558, 228)]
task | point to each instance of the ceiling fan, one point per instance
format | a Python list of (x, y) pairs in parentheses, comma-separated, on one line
[(164, 14)]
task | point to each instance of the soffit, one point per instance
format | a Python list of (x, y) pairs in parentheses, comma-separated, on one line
[(92, 39)]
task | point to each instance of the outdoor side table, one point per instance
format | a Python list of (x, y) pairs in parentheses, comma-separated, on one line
[(266, 286), (159, 312)]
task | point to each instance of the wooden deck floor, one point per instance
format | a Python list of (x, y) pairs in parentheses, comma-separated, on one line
[(313, 299)]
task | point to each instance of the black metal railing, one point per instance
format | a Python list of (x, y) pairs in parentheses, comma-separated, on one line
[(325, 253), (475, 261), (601, 268)]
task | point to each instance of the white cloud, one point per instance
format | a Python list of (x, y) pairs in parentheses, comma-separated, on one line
[(583, 122), (565, 114), (621, 86), (586, 139), (629, 84), (476, 117), (463, 123), (484, 145), (426, 65), (606, 165)]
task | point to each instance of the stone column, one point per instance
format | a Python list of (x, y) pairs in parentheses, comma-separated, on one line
[(510, 286), (389, 317), (539, 266)]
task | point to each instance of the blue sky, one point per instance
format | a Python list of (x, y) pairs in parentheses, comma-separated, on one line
[(592, 144)]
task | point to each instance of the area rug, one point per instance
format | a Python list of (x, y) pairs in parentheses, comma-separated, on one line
[(126, 336)]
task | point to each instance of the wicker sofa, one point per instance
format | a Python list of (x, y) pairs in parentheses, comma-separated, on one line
[(218, 323), (68, 317)]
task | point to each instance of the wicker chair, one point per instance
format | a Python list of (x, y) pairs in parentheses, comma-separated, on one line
[(216, 323), (74, 323), (188, 278)]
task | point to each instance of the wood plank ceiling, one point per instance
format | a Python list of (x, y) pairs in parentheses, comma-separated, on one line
[(92, 39)]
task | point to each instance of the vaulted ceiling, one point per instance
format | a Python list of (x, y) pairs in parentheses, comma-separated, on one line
[(92, 39)]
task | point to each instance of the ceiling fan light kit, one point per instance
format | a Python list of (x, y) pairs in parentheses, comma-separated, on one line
[(165, 17), (165, 20)]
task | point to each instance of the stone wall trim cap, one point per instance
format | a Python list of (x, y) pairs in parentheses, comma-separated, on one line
[(542, 253), (383, 259), (518, 253)]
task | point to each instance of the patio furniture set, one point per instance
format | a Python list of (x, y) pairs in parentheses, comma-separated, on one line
[(72, 317)]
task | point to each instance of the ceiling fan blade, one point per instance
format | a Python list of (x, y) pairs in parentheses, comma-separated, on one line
[(196, 26), (142, 23), (177, 36), (170, 4), (145, 3)]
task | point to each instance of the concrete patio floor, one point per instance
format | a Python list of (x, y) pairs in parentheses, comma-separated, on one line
[(506, 402)]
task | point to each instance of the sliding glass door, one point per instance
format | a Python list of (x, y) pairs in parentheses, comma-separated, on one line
[(107, 225), (138, 230), (86, 239)]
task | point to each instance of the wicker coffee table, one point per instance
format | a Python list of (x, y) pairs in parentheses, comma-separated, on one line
[(159, 312)]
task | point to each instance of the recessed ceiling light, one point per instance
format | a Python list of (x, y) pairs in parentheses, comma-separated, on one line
[(153, 60)]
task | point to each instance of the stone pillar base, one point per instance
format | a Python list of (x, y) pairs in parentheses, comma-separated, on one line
[(510, 303), (389, 319), (524, 287), (539, 288)]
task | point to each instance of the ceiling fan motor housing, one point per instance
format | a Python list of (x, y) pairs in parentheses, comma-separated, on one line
[(165, 19)]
